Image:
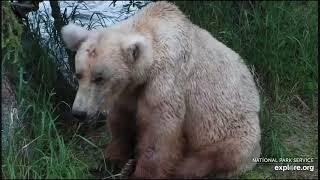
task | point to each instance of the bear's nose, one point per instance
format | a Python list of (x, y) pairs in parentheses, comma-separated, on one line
[(80, 115)]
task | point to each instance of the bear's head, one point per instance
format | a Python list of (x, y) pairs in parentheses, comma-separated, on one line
[(107, 63)]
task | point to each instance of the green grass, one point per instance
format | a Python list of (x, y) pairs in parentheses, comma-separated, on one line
[(278, 40), (38, 149), (43, 152)]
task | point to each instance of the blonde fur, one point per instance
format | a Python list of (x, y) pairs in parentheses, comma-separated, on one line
[(189, 100)]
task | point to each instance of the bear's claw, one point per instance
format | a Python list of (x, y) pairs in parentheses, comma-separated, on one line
[(128, 168)]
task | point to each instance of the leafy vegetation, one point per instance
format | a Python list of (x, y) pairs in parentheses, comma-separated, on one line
[(278, 41), (37, 150)]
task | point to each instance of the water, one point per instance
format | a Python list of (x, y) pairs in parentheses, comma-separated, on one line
[(89, 14)]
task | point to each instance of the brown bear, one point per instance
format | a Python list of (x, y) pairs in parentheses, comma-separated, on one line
[(184, 103)]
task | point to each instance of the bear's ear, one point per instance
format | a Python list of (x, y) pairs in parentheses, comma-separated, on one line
[(73, 35), (134, 47)]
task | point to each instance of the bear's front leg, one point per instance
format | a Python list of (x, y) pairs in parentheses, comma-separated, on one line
[(160, 140), (121, 123)]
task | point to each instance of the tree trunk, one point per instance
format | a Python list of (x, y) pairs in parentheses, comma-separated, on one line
[(59, 22)]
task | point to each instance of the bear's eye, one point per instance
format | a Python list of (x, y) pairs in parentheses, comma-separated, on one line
[(78, 75), (98, 80)]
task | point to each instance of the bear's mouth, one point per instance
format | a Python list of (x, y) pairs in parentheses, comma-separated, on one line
[(96, 119)]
